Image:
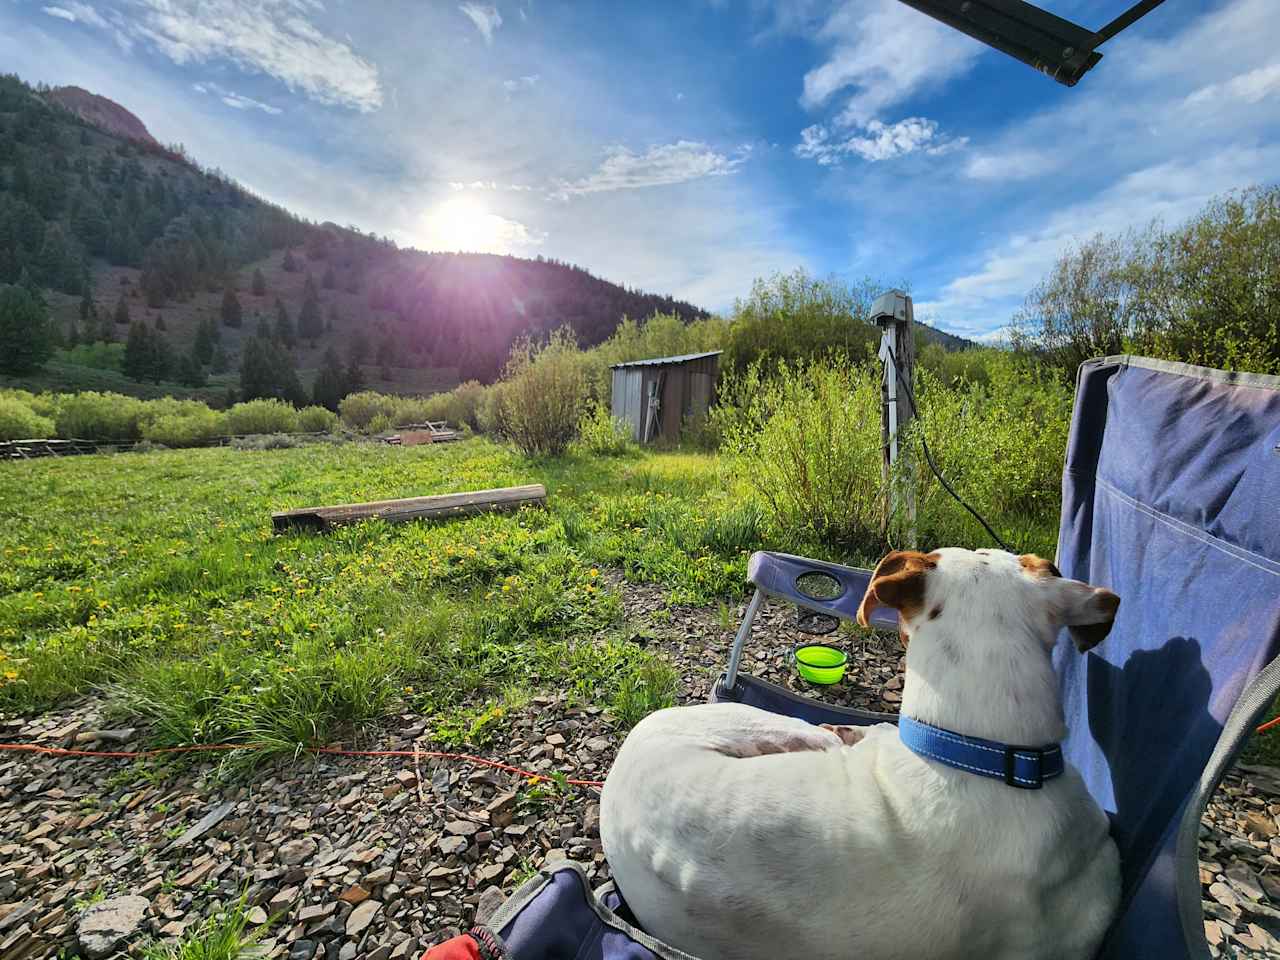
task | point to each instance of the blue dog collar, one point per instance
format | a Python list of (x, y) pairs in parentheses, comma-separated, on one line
[(1024, 767)]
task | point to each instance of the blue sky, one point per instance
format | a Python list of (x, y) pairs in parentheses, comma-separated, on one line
[(691, 147)]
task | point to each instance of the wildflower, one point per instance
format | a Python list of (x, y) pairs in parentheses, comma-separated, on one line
[(246, 633), (38, 594), (11, 674)]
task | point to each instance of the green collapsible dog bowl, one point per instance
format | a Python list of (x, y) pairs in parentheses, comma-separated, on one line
[(820, 662)]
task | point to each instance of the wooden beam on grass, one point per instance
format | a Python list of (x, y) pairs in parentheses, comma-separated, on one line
[(501, 500)]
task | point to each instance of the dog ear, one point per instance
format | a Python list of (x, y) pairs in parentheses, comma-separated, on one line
[(1087, 612), (898, 582)]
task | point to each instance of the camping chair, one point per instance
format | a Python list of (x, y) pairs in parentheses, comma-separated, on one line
[(1171, 497)]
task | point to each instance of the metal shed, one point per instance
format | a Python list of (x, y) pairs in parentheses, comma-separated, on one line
[(656, 396)]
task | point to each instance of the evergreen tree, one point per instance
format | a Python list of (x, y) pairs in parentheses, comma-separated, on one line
[(202, 349), (332, 319), (162, 364), (331, 382), (28, 283), (290, 265), (73, 334), (137, 361), (87, 308), (25, 342), (190, 371), (386, 352), (221, 362), (121, 315), (231, 313), (355, 378), (358, 347), (266, 370), (309, 325), (264, 328), (259, 283), (106, 327), (284, 326), (159, 322), (328, 281)]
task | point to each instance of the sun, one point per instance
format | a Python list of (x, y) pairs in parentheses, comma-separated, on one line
[(463, 223)]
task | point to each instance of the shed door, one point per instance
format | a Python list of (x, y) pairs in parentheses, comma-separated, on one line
[(633, 409)]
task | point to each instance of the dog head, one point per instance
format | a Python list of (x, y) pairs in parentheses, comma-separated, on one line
[(968, 590)]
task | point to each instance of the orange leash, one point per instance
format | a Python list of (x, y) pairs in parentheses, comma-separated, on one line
[(208, 747)]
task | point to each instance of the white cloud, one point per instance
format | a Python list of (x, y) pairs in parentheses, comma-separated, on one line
[(527, 82), (486, 18), (661, 165), (235, 100), (1250, 87), (886, 52), (271, 37), (77, 12), (1013, 165), (877, 141)]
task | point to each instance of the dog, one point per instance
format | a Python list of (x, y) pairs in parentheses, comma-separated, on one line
[(737, 834)]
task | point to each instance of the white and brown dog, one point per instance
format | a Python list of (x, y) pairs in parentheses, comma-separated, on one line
[(736, 833)]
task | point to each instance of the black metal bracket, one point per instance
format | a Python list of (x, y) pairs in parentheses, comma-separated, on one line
[(1056, 47)]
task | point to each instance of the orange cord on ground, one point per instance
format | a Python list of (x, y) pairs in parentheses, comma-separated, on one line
[(209, 747), (1273, 722)]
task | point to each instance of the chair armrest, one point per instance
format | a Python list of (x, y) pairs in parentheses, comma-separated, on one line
[(777, 575)]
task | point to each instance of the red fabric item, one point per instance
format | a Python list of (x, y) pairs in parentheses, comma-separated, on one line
[(463, 947)]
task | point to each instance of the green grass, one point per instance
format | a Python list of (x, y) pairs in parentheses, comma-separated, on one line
[(156, 579), (224, 936)]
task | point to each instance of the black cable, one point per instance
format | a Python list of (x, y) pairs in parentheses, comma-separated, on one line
[(928, 455)]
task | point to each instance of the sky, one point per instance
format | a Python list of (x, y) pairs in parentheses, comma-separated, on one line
[(691, 147)]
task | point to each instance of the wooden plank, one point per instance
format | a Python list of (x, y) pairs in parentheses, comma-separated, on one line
[(500, 500)]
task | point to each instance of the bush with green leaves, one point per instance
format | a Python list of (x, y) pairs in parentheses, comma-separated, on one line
[(662, 335), (101, 417), (19, 422), (317, 420), (600, 435), (194, 429), (542, 394), (262, 416), (359, 409)]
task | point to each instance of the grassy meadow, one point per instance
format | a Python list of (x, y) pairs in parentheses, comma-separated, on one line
[(157, 579)]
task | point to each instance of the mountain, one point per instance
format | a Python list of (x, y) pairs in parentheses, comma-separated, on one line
[(112, 224), (105, 114), (948, 341)]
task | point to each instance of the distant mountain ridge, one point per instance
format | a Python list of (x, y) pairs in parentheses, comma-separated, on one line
[(102, 112)]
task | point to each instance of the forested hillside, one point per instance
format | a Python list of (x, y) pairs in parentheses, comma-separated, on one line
[(172, 273)]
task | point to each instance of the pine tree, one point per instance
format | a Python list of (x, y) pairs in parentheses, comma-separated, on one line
[(259, 283), (266, 370), (290, 265), (202, 349), (331, 382), (309, 327), (355, 377), (25, 342), (190, 371), (221, 362), (284, 326), (358, 347), (328, 281), (332, 319), (106, 327), (137, 361), (73, 334), (264, 328), (162, 364), (121, 315), (159, 322), (231, 312)]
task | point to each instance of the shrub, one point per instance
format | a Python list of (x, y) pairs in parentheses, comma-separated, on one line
[(317, 420), (809, 443), (19, 422), (262, 416), (541, 396), (102, 417), (265, 441), (193, 429), (358, 409), (599, 434), (379, 424)]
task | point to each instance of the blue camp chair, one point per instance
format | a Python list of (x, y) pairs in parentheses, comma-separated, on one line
[(1171, 497)]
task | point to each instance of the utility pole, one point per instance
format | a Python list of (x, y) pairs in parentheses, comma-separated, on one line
[(893, 313)]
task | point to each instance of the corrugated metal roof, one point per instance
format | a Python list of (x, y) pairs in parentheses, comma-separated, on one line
[(659, 361)]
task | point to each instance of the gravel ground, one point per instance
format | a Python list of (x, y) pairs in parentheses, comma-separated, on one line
[(379, 858)]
